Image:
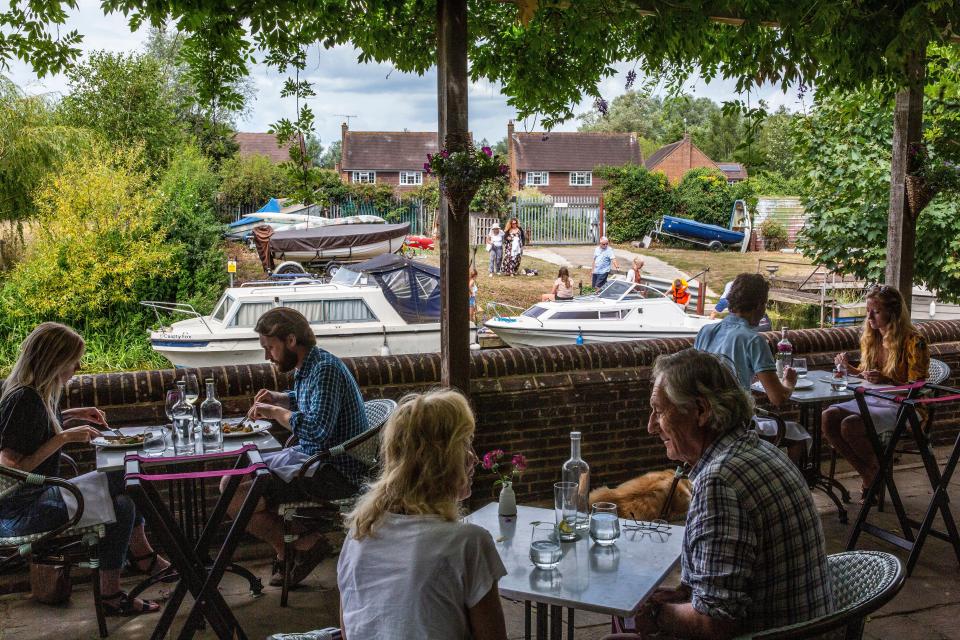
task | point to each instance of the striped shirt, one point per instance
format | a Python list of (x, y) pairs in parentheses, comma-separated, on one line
[(327, 408), (753, 549)]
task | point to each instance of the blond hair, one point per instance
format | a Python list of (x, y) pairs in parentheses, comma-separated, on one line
[(899, 330), (43, 355), (425, 449)]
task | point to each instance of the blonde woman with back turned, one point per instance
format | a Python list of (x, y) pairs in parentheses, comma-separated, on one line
[(409, 568)]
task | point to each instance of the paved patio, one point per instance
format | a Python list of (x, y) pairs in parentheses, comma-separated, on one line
[(928, 608)]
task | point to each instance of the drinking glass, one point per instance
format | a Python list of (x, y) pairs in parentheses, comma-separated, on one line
[(173, 397), (604, 524), (545, 550), (565, 496), (839, 380), (154, 442), (192, 388), (800, 364)]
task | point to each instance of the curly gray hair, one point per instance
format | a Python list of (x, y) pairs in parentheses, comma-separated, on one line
[(691, 375)]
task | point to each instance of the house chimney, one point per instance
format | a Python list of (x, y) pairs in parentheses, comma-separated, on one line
[(512, 158)]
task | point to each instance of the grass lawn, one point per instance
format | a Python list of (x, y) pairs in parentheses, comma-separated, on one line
[(725, 265)]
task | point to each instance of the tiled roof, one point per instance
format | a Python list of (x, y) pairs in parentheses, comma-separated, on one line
[(574, 150), (733, 170), (660, 154), (387, 150), (261, 144)]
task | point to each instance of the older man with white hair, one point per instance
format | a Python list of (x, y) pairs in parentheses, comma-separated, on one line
[(753, 549), (603, 257)]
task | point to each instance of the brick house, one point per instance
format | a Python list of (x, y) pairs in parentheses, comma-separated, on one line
[(677, 158), (561, 164), (264, 144), (385, 157)]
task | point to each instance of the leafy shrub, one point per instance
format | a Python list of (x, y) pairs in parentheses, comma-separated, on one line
[(187, 192), (634, 200), (774, 235), (98, 246), (704, 196), (251, 180), (493, 197)]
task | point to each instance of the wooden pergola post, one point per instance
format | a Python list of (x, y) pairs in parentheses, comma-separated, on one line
[(901, 225), (453, 134)]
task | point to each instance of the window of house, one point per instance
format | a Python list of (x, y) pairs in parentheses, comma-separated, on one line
[(411, 177), (538, 178), (364, 177), (581, 178)]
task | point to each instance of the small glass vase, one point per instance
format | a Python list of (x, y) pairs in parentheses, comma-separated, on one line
[(508, 501)]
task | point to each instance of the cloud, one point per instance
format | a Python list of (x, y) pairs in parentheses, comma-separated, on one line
[(380, 97)]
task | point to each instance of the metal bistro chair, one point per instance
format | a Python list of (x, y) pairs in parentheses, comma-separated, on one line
[(863, 581), (937, 373), (316, 513), (67, 543)]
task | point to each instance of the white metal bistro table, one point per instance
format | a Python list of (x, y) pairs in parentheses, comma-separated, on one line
[(112, 459), (613, 580)]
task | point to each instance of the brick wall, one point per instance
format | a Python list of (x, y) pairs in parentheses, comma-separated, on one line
[(684, 158), (526, 400), (560, 187)]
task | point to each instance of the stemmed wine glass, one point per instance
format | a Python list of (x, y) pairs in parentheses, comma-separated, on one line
[(173, 397)]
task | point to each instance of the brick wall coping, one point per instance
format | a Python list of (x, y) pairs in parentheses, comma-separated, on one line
[(394, 375)]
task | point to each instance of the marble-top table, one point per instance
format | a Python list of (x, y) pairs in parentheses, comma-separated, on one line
[(611, 580)]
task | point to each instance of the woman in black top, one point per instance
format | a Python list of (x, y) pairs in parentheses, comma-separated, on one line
[(33, 429)]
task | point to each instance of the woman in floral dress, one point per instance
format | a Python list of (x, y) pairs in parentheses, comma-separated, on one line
[(514, 241)]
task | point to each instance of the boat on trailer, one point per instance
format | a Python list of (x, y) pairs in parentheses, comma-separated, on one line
[(621, 311), (387, 305), (287, 251)]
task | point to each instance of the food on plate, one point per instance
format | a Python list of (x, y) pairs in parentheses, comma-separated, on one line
[(125, 440), (244, 426)]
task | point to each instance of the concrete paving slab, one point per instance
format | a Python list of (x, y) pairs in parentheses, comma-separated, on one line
[(926, 608)]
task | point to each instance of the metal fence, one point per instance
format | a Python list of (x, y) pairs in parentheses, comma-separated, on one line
[(573, 220)]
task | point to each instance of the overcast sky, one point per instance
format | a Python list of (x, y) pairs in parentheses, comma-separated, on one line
[(380, 100)]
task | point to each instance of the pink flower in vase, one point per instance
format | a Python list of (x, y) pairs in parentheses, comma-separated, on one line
[(519, 462)]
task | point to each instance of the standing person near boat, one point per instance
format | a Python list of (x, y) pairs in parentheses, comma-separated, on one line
[(514, 241), (603, 258), (495, 247), (634, 275), (473, 288), (323, 409)]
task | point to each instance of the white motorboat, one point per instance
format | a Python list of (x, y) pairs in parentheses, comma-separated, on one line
[(621, 311), (387, 305)]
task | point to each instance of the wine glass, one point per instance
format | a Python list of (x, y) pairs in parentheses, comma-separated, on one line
[(173, 397), (192, 388)]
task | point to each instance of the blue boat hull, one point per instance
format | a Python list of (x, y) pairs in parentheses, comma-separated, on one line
[(700, 231)]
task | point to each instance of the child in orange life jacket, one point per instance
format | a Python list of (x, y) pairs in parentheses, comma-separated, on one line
[(678, 292)]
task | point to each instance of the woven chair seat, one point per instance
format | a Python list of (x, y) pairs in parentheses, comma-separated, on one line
[(15, 541), (938, 372)]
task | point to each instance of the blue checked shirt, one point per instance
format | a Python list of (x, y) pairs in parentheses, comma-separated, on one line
[(753, 549), (327, 408)]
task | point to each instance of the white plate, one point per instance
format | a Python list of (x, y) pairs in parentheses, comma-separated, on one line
[(259, 427), (103, 443), (803, 383)]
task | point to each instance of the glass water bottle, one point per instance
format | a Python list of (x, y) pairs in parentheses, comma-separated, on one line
[(211, 420), (577, 470), (182, 413), (784, 352)]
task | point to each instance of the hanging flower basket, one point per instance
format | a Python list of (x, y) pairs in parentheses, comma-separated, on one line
[(462, 173), (919, 194)]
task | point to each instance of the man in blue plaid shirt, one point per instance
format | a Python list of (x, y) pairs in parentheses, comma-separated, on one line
[(323, 409), (753, 550)]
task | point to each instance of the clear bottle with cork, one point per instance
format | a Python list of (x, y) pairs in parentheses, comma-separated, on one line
[(578, 471), (784, 352), (211, 420)]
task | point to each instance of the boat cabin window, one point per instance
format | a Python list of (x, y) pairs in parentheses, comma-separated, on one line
[(615, 289), (427, 284), (534, 311), (333, 311), (220, 311), (611, 315), (345, 276), (574, 315), (249, 312)]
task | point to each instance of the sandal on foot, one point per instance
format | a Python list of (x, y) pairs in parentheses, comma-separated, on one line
[(133, 563), (126, 606)]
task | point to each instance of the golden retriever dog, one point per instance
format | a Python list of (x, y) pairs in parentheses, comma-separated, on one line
[(642, 498)]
